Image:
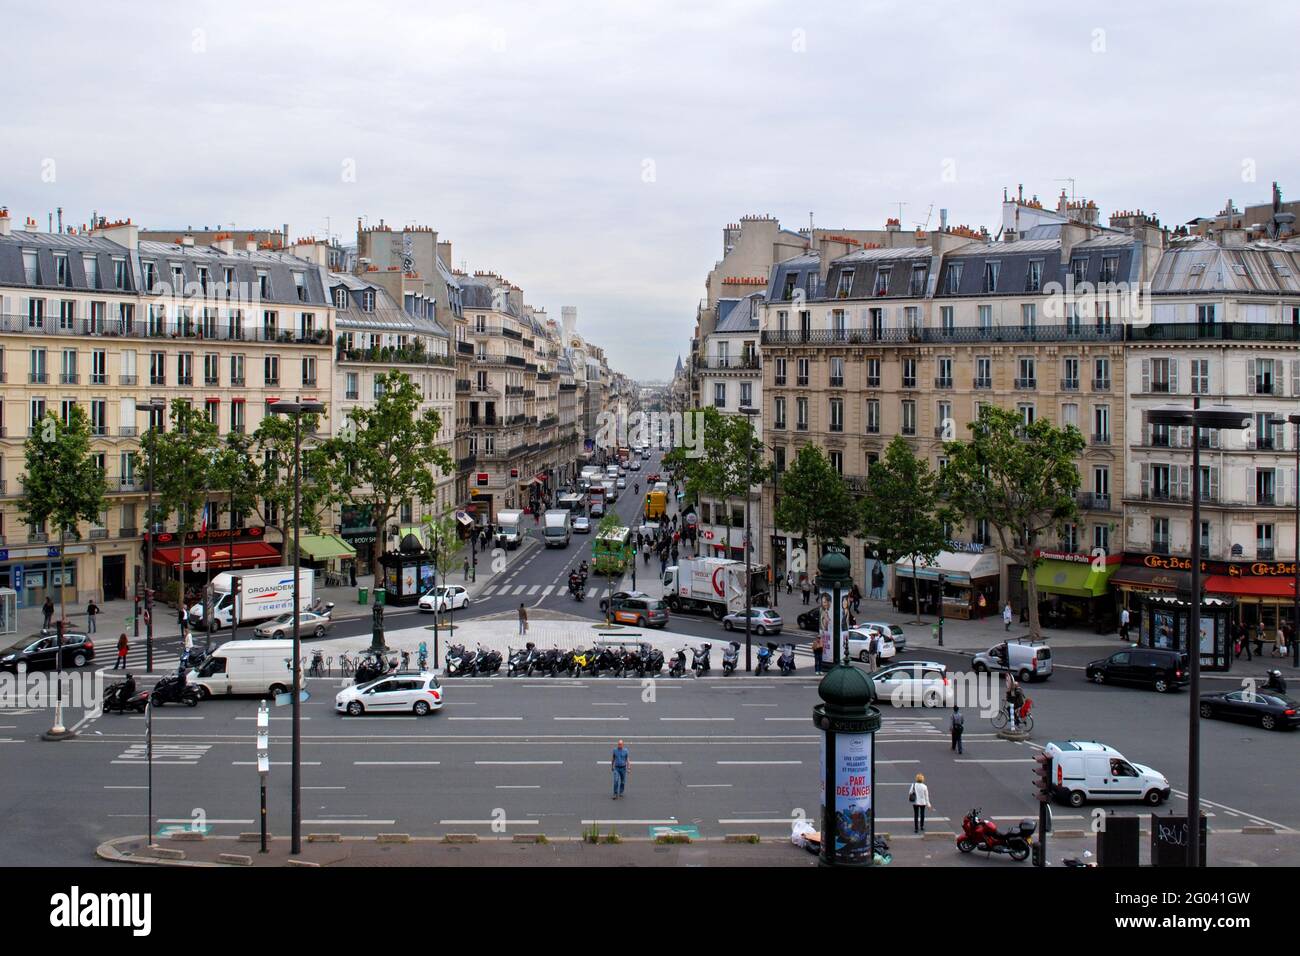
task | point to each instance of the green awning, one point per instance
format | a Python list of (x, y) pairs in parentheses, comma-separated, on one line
[(1072, 578), (322, 547)]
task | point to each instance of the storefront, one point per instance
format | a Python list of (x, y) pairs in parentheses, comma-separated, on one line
[(205, 560), (957, 578), (1074, 590), (333, 559), (1165, 622), (357, 529), (34, 573), (1263, 593)]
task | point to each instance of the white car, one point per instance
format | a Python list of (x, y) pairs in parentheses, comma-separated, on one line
[(635, 464), (415, 692), (444, 596), (860, 640), (914, 684), (621, 483), (581, 524), (893, 630)]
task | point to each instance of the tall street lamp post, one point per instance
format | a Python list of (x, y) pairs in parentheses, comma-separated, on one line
[(296, 410), (1217, 417), (155, 409), (749, 412)]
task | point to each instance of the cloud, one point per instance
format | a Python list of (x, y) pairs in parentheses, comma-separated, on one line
[(522, 131)]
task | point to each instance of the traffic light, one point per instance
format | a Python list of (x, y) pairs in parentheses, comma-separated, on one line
[(1038, 849), (1043, 777)]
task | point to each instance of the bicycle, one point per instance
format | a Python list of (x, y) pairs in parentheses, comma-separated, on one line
[(347, 666), (1024, 720)]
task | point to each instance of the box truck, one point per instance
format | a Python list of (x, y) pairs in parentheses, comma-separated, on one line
[(510, 532), (266, 593), (556, 528), (713, 585)]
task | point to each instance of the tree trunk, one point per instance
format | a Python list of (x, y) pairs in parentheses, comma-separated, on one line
[(916, 591), (1031, 589)]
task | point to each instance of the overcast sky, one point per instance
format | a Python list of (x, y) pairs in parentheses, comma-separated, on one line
[(592, 152)]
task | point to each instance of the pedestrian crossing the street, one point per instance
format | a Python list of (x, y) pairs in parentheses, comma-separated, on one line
[(138, 656)]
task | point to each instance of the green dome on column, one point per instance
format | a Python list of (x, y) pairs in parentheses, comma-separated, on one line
[(834, 568), (846, 689)]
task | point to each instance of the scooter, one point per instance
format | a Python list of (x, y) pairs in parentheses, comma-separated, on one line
[(763, 662), (547, 662), (677, 666), (786, 661), (980, 834), (489, 662), (370, 668), (652, 660), (122, 696), (730, 658), (174, 690), (700, 663), (521, 660), (578, 589), (459, 663)]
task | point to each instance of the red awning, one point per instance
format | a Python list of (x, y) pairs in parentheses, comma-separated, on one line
[(1250, 587), (248, 554)]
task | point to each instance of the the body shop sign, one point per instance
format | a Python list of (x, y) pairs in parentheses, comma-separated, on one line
[(853, 795)]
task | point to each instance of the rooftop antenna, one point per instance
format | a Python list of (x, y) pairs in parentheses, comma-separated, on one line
[(900, 206), (1071, 182), (925, 226)]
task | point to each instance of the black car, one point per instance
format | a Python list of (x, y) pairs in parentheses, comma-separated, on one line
[(39, 653), (1161, 669), (1270, 710), (810, 620)]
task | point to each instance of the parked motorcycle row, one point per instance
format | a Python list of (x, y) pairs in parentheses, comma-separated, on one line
[(615, 660)]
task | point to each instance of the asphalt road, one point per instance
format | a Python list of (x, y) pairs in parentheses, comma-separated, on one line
[(734, 754)]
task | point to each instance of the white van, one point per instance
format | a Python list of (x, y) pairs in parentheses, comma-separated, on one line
[(1027, 660), (1084, 770), (259, 668)]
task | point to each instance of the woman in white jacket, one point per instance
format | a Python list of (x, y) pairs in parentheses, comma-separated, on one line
[(919, 796)]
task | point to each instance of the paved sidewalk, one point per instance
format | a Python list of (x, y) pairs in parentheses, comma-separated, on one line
[(1225, 849)]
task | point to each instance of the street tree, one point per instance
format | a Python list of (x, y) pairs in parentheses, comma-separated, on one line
[(390, 452), (271, 452), (813, 499), (183, 459), (442, 538), (63, 484), (1021, 479), (901, 509)]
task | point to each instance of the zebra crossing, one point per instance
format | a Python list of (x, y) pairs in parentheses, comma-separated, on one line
[(138, 657), (173, 755), (535, 590)]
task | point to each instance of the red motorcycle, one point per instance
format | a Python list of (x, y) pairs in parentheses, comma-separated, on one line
[(978, 833)]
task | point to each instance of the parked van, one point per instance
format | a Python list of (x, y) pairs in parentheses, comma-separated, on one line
[(1084, 770), (1161, 669), (259, 668), (1027, 660)]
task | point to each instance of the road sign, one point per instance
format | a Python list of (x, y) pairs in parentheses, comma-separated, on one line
[(676, 829), (283, 700)]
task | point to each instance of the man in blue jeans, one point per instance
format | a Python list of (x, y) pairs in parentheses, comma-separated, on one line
[(618, 764)]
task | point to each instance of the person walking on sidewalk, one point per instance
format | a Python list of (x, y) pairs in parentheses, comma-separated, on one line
[(1123, 624), (818, 649), (189, 647), (47, 609), (789, 582), (618, 765), (918, 794), (523, 619), (806, 588), (123, 645), (957, 724), (92, 611), (1006, 616)]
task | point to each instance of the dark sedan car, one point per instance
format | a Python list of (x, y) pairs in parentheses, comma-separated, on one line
[(39, 652), (1270, 710)]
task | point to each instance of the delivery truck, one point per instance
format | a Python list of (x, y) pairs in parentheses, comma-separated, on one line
[(510, 533), (713, 585), (656, 505), (265, 593), (556, 528)]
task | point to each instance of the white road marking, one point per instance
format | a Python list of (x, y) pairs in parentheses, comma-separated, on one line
[(485, 718), (360, 823), (191, 820), (591, 718), (546, 591), (395, 763), (761, 763), (660, 823), (519, 786), (518, 763), (698, 719), (646, 763), (274, 763), (519, 589), (534, 589)]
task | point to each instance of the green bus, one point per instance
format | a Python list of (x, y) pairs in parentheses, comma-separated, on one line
[(611, 551)]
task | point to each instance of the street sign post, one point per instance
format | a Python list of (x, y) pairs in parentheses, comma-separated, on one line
[(263, 759)]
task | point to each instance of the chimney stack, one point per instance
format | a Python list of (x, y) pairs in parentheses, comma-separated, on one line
[(5, 223)]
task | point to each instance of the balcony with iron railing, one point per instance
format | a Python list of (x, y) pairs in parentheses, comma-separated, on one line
[(943, 381), (955, 334), (1069, 384), (1265, 554), (1026, 383), (1092, 501), (982, 383), (1101, 385), (1215, 332), (1101, 438), (142, 328), (128, 532)]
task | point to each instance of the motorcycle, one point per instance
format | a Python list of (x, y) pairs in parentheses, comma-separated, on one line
[(174, 690), (786, 661), (629, 662), (730, 658), (763, 661), (652, 660), (677, 666), (978, 833), (700, 663), (122, 696), (578, 589), (489, 662), (521, 660), (546, 662), (459, 663), (370, 668)]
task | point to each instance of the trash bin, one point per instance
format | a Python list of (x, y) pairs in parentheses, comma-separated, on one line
[(363, 595), (379, 596)]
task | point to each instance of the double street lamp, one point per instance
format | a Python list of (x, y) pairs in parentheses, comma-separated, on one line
[(296, 410), (156, 409), (1217, 417)]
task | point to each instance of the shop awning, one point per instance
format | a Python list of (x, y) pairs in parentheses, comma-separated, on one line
[(1250, 587), (464, 517), (1152, 579), (958, 567), (322, 547), (247, 554), (1072, 578)]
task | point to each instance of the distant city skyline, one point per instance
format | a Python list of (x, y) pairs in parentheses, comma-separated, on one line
[(592, 157)]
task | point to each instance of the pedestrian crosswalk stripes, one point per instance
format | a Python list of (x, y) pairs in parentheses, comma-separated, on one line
[(173, 754), (519, 589)]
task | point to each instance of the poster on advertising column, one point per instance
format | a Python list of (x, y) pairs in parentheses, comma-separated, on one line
[(852, 795)]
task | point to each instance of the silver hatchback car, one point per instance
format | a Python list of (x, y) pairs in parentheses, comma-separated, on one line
[(763, 621)]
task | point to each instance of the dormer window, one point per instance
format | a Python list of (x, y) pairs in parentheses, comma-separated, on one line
[(954, 278), (882, 282), (1079, 270), (31, 272), (917, 285), (845, 284), (91, 264), (62, 274), (791, 279), (340, 298), (150, 274), (263, 284), (1034, 277), (991, 272), (1109, 268), (300, 283), (368, 301), (203, 278)]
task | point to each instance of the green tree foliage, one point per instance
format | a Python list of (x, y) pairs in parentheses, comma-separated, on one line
[(183, 462), (900, 509), (1020, 478), (388, 452), (63, 485), (813, 499), (271, 457)]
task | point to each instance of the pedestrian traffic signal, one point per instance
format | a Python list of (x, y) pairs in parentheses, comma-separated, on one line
[(1043, 777), (1038, 850)]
